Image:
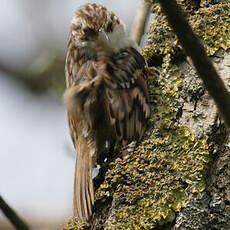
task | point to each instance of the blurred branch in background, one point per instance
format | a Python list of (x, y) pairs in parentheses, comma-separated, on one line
[(46, 72), (12, 216), (138, 27), (193, 47)]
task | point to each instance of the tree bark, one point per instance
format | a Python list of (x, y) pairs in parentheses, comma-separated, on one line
[(178, 177)]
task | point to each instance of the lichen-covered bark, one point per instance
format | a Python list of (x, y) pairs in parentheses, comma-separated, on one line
[(178, 177)]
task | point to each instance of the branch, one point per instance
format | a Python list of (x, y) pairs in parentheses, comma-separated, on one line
[(12, 216), (138, 27), (45, 72), (196, 51)]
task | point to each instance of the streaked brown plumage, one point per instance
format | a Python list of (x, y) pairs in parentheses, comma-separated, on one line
[(106, 96)]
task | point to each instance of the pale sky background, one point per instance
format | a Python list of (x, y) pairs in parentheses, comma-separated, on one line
[(36, 165)]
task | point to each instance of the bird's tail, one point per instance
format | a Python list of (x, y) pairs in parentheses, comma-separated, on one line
[(83, 183)]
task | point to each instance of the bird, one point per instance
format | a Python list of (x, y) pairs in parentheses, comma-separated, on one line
[(106, 96)]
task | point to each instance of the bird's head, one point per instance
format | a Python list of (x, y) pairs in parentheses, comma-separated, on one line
[(94, 26)]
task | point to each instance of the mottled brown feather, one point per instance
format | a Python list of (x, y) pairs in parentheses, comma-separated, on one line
[(106, 96)]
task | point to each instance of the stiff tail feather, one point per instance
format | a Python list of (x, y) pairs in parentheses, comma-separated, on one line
[(83, 183)]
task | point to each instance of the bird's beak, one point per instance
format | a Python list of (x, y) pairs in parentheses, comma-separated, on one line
[(103, 34)]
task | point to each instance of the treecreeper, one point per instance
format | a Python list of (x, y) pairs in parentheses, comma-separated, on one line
[(106, 94)]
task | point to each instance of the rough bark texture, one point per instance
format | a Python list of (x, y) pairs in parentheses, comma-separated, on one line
[(178, 177)]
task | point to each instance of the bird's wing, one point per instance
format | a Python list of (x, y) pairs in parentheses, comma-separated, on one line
[(127, 94)]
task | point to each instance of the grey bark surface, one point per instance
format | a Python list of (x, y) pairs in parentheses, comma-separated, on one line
[(208, 209), (211, 208)]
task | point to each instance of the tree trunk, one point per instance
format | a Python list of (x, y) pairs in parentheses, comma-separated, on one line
[(179, 176)]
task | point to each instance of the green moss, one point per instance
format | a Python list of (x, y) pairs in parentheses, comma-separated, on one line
[(210, 22)]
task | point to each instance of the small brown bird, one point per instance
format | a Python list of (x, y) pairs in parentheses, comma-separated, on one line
[(106, 95)]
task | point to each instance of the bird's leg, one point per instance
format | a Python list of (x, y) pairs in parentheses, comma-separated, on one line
[(127, 149)]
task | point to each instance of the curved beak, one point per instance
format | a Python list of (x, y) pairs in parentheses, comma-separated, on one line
[(104, 34)]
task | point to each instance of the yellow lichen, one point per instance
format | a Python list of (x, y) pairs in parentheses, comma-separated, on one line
[(209, 22), (74, 224), (154, 182)]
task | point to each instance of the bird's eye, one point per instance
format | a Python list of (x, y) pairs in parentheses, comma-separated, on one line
[(89, 32), (109, 27)]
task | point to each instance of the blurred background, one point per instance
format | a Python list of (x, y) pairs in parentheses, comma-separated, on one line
[(36, 153)]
